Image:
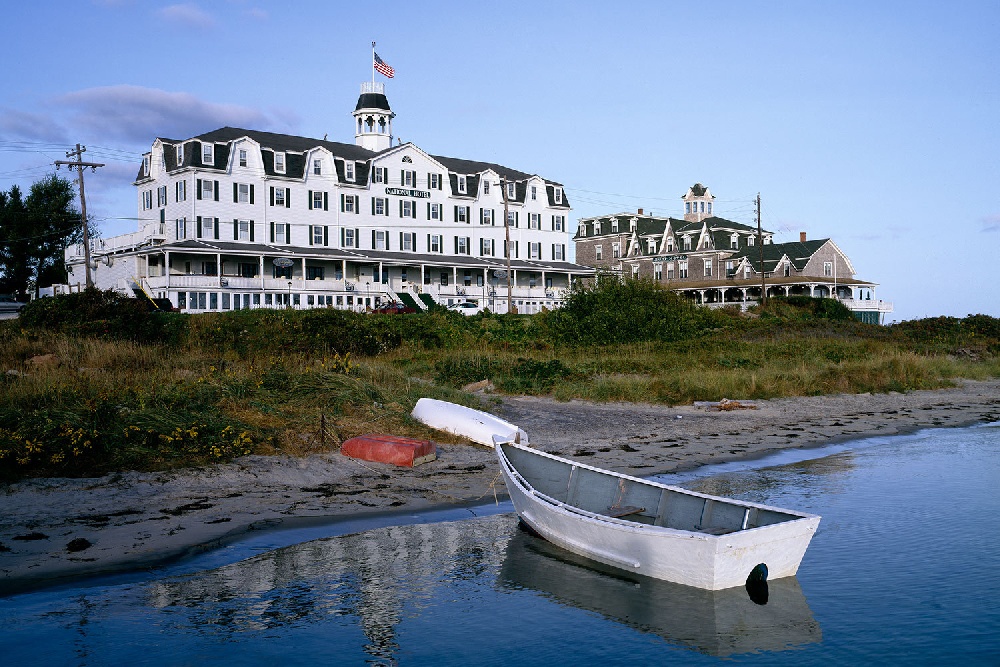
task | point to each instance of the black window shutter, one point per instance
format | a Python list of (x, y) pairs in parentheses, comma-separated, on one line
[(388, 244), (373, 205), (401, 208), (288, 197), (386, 207), (199, 226), (198, 189), (288, 232), (310, 234), (163, 215), (215, 222), (456, 245), (341, 202), (401, 240), (251, 228), (402, 177), (216, 191), (272, 224), (251, 193), (440, 181), (357, 235), (493, 218), (428, 210), (326, 235), (310, 200), (272, 198), (236, 230), (342, 235), (357, 204), (236, 192), (326, 202), (456, 214), (428, 243)]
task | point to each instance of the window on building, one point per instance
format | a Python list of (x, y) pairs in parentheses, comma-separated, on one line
[(279, 197), (558, 195), (349, 171), (279, 163), (314, 273), (751, 240), (248, 270), (828, 269), (434, 243), (597, 227), (207, 153), (462, 245), (534, 221), (657, 272), (379, 175), (243, 193), (670, 271), (682, 269), (670, 244), (708, 268), (710, 207), (317, 234), (379, 206), (734, 241), (350, 239), (147, 200), (616, 250), (598, 252), (243, 157), (207, 189), (486, 187), (512, 218), (408, 242), (433, 181), (462, 214), (534, 251), (730, 269), (787, 269), (179, 154), (461, 184), (280, 233), (407, 209), (687, 243), (180, 191), (558, 252), (181, 228), (614, 226), (207, 228), (244, 230), (511, 190), (534, 193), (651, 247), (318, 167), (409, 178), (348, 204), (487, 216), (559, 224), (635, 271), (379, 237), (444, 278), (486, 247), (687, 207), (434, 211), (317, 199), (161, 195)]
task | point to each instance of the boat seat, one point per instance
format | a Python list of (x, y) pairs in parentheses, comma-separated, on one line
[(619, 512)]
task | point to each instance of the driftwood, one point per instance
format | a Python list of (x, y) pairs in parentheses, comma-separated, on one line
[(725, 405)]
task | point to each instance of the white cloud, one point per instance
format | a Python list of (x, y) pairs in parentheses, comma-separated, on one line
[(187, 14), (16, 124), (137, 115), (991, 224)]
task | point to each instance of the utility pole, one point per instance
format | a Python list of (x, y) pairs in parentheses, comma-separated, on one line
[(506, 225), (80, 165), (760, 242)]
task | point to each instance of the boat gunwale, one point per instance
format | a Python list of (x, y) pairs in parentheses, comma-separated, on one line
[(518, 478)]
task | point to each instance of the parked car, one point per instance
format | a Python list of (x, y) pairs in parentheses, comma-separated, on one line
[(465, 307), (8, 304), (394, 308)]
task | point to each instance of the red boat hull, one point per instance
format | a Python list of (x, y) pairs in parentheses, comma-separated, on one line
[(407, 452)]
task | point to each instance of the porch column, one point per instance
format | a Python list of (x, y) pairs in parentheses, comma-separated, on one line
[(262, 273), (166, 266), (218, 266)]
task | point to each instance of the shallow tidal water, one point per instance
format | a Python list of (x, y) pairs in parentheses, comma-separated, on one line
[(905, 569)]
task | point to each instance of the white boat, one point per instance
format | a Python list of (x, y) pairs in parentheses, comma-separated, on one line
[(476, 425), (652, 529)]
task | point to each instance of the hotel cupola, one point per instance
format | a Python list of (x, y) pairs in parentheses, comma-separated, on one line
[(698, 203), (373, 118)]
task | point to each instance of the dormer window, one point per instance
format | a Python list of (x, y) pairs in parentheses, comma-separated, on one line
[(461, 184), (687, 207), (670, 244), (486, 187), (557, 195), (179, 154), (207, 154), (614, 225), (652, 246), (632, 224), (511, 190), (534, 193), (318, 167), (279, 163), (597, 227), (243, 157), (734, 241), (687, 243), (145, 165), (710, 208), (751, 241), (349, 171)]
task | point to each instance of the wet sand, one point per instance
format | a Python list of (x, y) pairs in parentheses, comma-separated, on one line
[(56, 528)]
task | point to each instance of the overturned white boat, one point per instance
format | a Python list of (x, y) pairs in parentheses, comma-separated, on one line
[(649, 528), (476, 425)]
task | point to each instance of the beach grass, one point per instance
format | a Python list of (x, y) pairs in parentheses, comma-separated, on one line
[(88, 395)]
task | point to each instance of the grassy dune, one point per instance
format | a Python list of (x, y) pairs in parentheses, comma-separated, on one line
[(93, 383)]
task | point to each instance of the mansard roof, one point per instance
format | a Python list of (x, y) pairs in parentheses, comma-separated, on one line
[(646, 225), (799, 253), (373, 101), (296, 147)]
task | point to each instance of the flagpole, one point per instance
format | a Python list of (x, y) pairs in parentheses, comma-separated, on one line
[(373, 66)]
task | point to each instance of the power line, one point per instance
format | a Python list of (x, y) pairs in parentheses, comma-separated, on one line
[(80, 165)]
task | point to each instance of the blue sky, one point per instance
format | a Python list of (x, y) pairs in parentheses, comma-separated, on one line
[(873, 123)]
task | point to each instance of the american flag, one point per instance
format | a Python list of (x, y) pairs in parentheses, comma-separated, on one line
[(383, 67)]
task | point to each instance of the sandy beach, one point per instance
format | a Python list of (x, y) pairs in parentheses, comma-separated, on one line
[(51, 529)]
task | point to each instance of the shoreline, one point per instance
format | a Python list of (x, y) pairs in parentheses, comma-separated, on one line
[(72, 528)]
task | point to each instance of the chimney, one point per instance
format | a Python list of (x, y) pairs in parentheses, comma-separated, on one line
[(802, 237), (640, 211)]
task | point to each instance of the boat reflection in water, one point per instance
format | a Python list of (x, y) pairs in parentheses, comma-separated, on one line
[(718, 623)]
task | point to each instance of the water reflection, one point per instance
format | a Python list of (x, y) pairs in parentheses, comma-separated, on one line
[(376, 577), (718, 623), (809, 478)]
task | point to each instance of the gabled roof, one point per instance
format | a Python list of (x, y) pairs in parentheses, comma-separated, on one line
[(799, 253), (646, 225)]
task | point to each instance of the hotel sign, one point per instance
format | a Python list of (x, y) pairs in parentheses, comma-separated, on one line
[(402, 192), (669, 258)]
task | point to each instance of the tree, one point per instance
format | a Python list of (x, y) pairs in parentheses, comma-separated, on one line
[(34, 233)]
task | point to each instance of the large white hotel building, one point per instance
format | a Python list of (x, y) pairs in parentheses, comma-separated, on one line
[(238, 218)]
